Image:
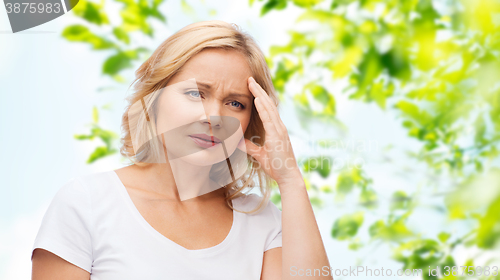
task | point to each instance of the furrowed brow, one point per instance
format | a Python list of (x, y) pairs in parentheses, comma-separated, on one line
[(233, 94)]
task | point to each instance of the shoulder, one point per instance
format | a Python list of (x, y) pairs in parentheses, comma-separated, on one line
[(79, 198), (264, 224), (72, 189), (97, 179), (66, 226), (85, 187), (93, 184)]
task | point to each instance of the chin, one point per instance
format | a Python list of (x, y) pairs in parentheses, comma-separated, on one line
[(205, 157)]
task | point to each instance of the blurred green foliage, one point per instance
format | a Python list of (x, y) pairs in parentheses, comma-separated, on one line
[(437, 70), (116, 39), (106, 136), (433, 64)]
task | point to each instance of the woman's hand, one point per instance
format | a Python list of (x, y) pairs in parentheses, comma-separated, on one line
[(276, 155), (302, 244)]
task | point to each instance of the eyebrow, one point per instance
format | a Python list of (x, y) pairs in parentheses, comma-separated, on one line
[(207, 86), (242, 95)]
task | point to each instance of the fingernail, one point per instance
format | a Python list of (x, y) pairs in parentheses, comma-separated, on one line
[(252, 79)]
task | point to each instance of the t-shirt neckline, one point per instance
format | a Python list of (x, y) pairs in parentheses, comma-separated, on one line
[(196, 252)]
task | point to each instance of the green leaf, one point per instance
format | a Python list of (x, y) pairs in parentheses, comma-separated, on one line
[(107, 136), (322, 16), (116, 63), (420, 254), (186, 8), (107, 106), (345, 183), (135, 16), (396, 64), (443, 236), (379, 93), (284, 71), (306, 3), (121, 35), (414, 112), (156, 3), (488, 234), (326, 189), (348, 179), (120, 61), (369, 69), (448, 261), (368, 198), (400, 201), (118, 78), (275, 50), (409, 108), (393, 231), (91, 12), (95, 115), (349, 58), (347, 226), (80, 33), (319, 93), (355, 245), (322, 165), (273, 5), (84, 137), (464, 201), (100, 152)]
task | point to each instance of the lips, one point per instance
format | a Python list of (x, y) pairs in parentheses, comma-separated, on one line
[(204, 140)]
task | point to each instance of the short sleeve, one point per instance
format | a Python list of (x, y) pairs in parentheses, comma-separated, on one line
[(275, 237), (66, 226)]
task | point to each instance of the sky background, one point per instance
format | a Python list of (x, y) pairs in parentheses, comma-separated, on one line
[(48, 87)]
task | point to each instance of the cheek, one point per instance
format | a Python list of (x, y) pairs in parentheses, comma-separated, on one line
[(174, 110), (245, 121)]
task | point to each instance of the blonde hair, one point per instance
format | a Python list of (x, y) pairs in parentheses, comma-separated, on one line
[(166, 61)]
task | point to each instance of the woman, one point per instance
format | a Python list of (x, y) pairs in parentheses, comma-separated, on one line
[(181, 210)]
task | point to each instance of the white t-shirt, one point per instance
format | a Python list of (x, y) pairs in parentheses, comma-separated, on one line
[(93, 223)]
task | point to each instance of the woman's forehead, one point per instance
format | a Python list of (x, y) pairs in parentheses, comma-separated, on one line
[(217, 65), (213, 82)]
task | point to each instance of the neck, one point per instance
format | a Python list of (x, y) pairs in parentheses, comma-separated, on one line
[(180, 180)]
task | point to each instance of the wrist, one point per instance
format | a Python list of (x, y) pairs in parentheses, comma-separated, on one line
[(293, 177), (292, 184)]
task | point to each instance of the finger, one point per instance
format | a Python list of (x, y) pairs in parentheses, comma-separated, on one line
[(261, 94), (265, 117), (267, 98), (258, 91)]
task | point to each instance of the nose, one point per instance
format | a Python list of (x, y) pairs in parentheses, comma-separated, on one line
[(212, 113), (215, 121)]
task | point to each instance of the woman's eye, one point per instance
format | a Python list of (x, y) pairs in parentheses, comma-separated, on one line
[(193, 93), (237, 104)]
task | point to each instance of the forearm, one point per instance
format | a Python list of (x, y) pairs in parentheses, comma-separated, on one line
[(303, 247)]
